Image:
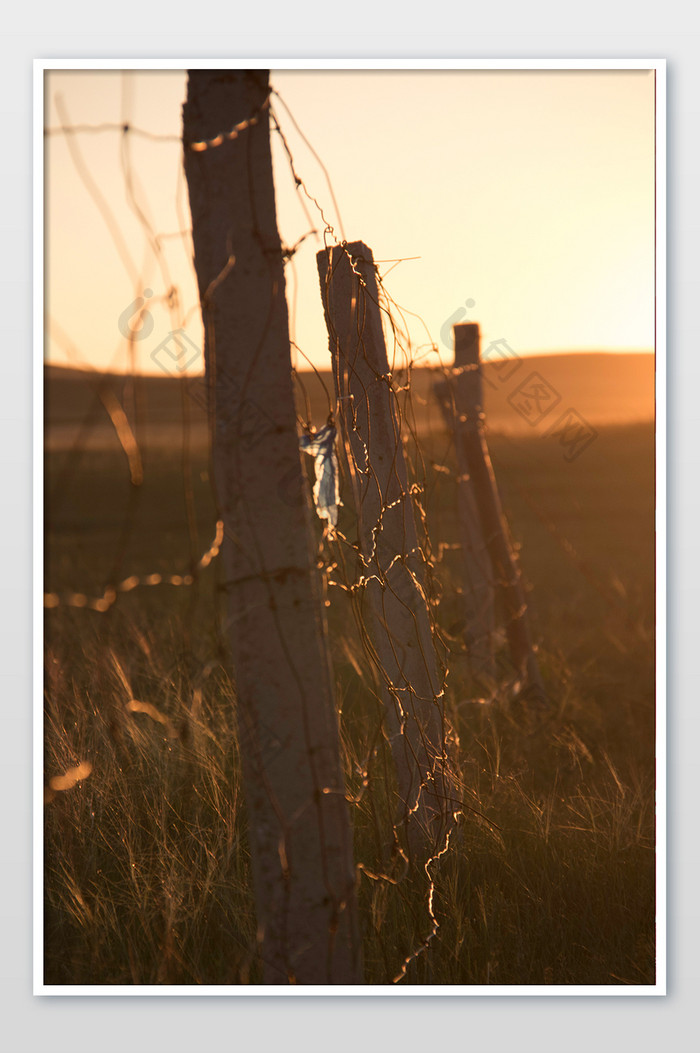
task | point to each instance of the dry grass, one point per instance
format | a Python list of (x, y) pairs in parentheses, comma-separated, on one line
[(552, 879)]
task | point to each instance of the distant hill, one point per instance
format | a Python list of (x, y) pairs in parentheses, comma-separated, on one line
[(601, 388)]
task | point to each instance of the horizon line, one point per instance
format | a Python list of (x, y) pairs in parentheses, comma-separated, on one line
[(306, 367)]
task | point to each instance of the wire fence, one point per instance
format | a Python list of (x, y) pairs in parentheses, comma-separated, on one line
[(428, 580)]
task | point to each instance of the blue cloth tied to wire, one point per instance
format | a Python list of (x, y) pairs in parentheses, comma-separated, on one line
[(321, 446)]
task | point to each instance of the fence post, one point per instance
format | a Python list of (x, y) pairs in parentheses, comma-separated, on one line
[(473, 449), (393, 572), (460, 399), (299, 828)]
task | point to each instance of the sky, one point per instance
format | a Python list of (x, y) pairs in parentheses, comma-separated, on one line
[(522, 200)]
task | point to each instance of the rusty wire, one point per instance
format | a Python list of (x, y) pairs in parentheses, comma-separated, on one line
[(346, 570)]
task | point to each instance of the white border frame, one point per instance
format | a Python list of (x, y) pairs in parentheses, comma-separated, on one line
[(41, 66)]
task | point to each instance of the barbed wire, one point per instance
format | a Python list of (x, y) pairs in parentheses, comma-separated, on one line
[(351, 567), (111, 594)]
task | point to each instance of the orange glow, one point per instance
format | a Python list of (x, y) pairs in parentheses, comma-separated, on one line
[(520, 199), (72, 776)]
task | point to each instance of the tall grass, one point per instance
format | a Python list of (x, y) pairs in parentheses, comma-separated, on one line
[(551, 879), (146, 860)]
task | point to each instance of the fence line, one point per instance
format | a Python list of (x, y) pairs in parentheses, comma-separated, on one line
[(351, 569)]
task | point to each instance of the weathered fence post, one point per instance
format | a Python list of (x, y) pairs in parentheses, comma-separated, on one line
[(461, 399), (472, 451), (392, 568), (300, 834)]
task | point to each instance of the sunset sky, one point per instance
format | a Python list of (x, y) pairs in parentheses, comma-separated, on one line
[(526, 196)]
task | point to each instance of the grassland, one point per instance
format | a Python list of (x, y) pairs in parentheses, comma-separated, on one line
[(146, 860)]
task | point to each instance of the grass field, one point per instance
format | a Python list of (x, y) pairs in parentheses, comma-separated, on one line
[(146, 862)]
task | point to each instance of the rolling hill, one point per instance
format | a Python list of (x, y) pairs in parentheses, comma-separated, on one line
[(528, 396)]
